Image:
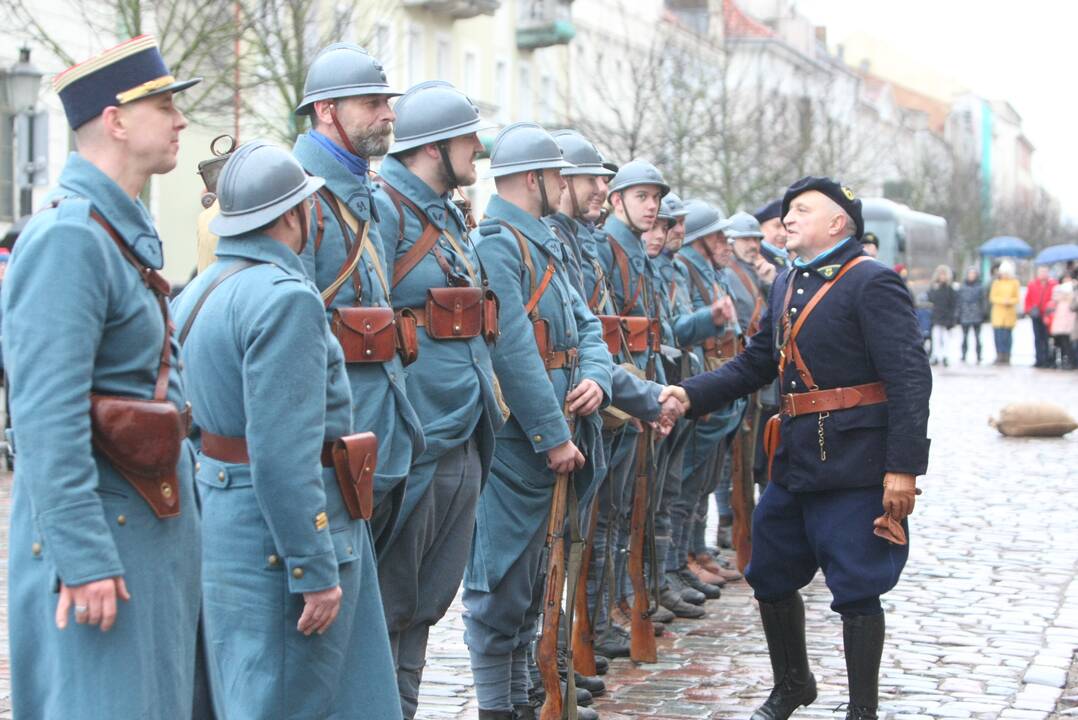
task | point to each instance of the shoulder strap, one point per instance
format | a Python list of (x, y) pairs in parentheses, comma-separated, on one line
[(348, 222), (160, 287), (621, 259), (427, 239), (538, 289), (697, 280), (232, 270), (757, 298), (791, 341)]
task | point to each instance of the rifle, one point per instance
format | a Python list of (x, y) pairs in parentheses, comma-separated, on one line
[(583, 640), (555, 706), (642, 635), (742, 498)]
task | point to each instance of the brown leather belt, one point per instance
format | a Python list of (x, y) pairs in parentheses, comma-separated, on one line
[(559, 358), (818, 401), (234, 449), (421, 321)]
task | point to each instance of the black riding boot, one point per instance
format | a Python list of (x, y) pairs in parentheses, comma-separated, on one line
[(495, 714), (862, 637), (784, 626)]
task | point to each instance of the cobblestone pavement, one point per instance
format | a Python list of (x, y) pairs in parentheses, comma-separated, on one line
[(984, 623)]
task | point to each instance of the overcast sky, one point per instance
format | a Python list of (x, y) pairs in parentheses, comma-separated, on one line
[(1025, 52)]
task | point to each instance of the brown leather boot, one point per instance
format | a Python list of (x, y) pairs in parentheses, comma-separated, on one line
[(699, 570), (713, 566)]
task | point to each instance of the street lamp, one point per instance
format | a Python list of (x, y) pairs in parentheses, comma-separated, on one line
[(20, 86)]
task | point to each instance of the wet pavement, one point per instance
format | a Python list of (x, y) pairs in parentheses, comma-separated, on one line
[(984, 623)]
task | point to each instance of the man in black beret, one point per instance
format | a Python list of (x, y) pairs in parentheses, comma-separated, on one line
[(871, 244), (841, 335)]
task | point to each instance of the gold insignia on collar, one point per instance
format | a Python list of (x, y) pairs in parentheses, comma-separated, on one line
[(847, 192), (828, 271), (321, 521)]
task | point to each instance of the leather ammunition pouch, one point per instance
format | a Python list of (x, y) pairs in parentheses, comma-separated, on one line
[(611, 332), (354, 459), (641, 333), (771, 439), (541, 328), (142, 439), (454, 313), (719, 351), (366, 334)]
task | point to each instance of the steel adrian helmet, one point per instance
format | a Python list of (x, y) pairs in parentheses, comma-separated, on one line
[(581, 153), (743, 225), (702, 219), (258, 184), (672, 207), (522, 147), (638, 172), (433, 111), (342, 70)]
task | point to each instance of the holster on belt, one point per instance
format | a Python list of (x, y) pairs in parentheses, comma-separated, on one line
[(366, 334), (143, 440), (490, 316), (407, 336), (771, 439), (541, 329), (454, 312), (354, 459)]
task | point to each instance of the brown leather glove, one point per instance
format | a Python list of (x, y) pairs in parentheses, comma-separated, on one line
[(899, 495), (889, 529)]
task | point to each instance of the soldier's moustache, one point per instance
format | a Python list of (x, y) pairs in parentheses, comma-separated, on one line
[(374, 142)]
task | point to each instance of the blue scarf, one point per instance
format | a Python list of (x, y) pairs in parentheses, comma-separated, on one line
[(353, 163), (799, 262)]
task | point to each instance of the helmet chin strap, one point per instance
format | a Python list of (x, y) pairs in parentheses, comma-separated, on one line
[(628, 217), (572, 199), (340, 131), (303, 228), (447, 166), (544, 202)]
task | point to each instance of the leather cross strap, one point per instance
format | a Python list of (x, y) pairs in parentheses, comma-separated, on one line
[(697, 280), (757, 298), (790, 334), (537, 289), (236, 267), (621, 259), (160, 288), (818, 401), (427, 239)]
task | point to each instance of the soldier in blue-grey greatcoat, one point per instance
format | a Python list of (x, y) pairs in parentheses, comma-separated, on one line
[(346, 98), (704, 227), (526, 265), (291, 607), (451, 384), (840, 334), (85, 312)]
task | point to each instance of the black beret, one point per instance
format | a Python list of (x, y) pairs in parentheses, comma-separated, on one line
[(870, 238), (841, 194), (768, 212)]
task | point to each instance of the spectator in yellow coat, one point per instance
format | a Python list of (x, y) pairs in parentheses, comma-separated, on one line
[(1003, 297)]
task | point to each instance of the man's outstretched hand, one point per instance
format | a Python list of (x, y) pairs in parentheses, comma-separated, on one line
[(675, 392)]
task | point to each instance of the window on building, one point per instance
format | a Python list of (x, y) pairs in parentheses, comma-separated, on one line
[(525, 110), (547, 102), (471, 74), (501, 90), (443, 57), (380, 45), (414, 50)]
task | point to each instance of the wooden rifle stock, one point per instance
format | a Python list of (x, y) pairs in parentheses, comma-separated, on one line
[(642, 635), (583, 633), (742, 500), (546, 648)]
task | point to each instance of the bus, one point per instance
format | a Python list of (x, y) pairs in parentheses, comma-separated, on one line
[(911, 238)]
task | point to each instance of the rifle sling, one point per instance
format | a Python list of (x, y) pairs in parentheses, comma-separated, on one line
[(237, 266)]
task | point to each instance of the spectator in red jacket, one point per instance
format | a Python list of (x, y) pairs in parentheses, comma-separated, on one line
[(1039, 308)]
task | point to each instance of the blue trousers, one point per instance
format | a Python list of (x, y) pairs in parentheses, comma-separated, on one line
[(796, 534), (1002, 337)]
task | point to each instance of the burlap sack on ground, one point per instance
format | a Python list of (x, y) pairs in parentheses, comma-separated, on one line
[(1033, 420)]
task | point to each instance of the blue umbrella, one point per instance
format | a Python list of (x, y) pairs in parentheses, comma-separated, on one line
[(1057, 253), (1006, 246)]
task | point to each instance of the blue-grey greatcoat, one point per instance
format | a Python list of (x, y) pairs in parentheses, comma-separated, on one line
[(262, 364), (77, 318), (451, 384), (380, 400), (518, 491)]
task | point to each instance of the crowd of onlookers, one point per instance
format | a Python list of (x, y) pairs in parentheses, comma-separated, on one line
[(1051, 304)]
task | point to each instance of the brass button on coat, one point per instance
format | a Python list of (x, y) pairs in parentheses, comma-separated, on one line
[(36, 549), (273, 560), (121, 519), (297, 573)]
